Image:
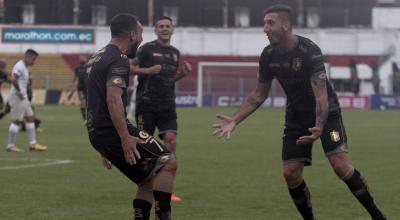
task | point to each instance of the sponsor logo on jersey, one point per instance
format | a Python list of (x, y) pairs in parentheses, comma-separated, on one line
[(120, 70), (157, 55)]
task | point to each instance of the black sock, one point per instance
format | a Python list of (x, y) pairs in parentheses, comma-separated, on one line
[(83, 113), (162, 205), (302, 199), (359, 188), (141, 209)]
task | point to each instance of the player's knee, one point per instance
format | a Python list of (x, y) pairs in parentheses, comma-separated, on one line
[(171, 145), (170, 167), (292, 176), (147, 186), (170, 137), (342, 170)]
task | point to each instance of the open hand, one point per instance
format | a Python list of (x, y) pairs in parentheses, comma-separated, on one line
[(315, 134), (224, 127), (129, 146)]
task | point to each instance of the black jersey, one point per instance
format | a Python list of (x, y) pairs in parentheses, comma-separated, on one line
[(159, 89), (108, 67), (81, 75), (294, 69)]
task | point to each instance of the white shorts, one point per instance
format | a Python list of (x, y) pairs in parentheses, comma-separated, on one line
[(19, 108)]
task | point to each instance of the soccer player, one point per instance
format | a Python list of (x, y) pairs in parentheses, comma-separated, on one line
[(312, 111), (81, 76), (157, 65), (138, 155), (20, 105)]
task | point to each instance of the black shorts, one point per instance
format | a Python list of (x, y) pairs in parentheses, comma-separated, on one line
[(333, 138), (165, 121), (153, 154)]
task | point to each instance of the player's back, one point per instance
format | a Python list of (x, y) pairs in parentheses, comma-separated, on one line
[(107, 67)]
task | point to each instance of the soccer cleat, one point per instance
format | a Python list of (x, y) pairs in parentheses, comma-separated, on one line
[(37, 147), (175, 198), (14, 149)]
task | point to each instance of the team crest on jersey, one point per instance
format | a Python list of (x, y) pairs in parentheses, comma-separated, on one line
[(296, 64), (123, 56), (335, 137)]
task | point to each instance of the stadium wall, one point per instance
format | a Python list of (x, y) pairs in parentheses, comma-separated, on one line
[(185, 99), (199, 41)]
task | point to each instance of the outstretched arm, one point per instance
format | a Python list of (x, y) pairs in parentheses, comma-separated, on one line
[(318, 83), (254, 100), (116, 108), (135, 69)]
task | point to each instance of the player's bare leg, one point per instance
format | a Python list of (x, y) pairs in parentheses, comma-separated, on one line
[(170, 141), (143, 201), (12, 136), (31, 131), (341, 165), (163, 186), (170, 144), (293, 173)]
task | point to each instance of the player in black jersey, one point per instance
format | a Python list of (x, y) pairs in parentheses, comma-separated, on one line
[(157, 65), (81, 77), (136, 153), (312, 111)]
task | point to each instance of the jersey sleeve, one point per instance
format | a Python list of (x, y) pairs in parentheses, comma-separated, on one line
[(317, 63), (18, 70), (264, 75), (141, 54), (118, 73)]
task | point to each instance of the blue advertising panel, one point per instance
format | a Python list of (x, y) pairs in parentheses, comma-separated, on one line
[(383, 102), (47, 35)]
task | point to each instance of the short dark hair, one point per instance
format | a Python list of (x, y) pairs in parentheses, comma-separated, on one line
[(282, 10), (164, 17), (122, 24), (31, 52)]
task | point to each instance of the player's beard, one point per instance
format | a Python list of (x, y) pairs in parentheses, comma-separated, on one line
[(131, 53)]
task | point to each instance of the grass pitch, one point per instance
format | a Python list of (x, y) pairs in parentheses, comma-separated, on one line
[(238, 179)]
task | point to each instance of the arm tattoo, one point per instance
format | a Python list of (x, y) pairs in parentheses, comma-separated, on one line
[(318, 82)]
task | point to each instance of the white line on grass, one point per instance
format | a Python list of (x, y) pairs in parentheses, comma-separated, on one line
[(47, 162)]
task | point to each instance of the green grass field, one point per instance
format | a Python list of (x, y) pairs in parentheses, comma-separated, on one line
[(238, 179)]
